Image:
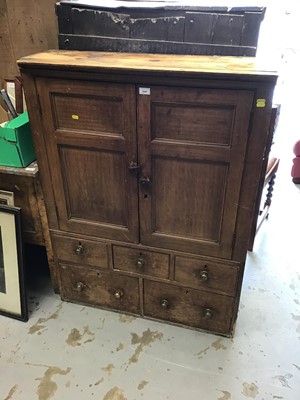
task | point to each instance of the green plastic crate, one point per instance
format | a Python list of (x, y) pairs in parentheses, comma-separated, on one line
[(16, 147)]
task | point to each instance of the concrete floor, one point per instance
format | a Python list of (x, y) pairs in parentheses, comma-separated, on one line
[(68, 351)]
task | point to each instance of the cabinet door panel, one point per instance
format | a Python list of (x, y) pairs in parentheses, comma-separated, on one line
[(192, 144), (90, 130), (192, 122), (92, 196), (182, 208), (89, 114)]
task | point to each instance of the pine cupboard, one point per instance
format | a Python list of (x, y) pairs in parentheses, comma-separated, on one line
[(150, 167)]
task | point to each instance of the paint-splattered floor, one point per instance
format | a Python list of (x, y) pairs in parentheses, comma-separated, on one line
[(68, 351)]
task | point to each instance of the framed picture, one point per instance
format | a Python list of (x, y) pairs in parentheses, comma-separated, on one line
[(6, 198), (13, 301)]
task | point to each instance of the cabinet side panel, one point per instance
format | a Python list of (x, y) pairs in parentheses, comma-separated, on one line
[(33, 106)]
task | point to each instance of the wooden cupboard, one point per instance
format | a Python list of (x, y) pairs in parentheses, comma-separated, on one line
[(150, 167)]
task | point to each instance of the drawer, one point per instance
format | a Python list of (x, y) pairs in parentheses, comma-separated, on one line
[(141, 261), (110, 290), (206, 273), (196, 308), (87, 252)]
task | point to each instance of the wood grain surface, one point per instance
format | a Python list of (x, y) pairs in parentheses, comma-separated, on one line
[(81, 60), (169, 179), (25, 27)]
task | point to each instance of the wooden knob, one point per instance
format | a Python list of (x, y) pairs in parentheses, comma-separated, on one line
[(207, 313), (203, 276), (164, 303), (79, 249), (80, 286), (140, 263), (118, 294)]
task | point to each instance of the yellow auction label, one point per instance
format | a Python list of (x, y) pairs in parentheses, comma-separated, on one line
[(75, 116), (260, 103)]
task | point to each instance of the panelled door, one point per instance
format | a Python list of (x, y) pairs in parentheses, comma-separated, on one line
[(90, 133), (192, 145)]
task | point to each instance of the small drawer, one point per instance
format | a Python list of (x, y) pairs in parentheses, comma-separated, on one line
[(190, 307), (106, 289), (80, 251), (206, 273), (140, 261)]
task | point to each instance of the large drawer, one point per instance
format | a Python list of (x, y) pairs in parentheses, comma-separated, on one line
[(140, 261), (87, 285), (207, 274), (80, 251), (199, 309)]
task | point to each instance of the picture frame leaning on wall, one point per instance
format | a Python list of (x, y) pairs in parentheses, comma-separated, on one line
[(13, 300), (7, 198)]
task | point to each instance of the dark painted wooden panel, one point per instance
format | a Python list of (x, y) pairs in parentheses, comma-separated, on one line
[(100, 23), (251, 29), (162, 5), (101, 43), (192, 24), (64, 19), (228, 29), (167, 29), (199, 27), (222, 29)]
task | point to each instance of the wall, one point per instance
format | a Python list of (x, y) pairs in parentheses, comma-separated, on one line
[(279, 41), (26, 27)]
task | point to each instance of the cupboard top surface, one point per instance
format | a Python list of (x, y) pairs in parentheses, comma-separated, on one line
[(150, 63)]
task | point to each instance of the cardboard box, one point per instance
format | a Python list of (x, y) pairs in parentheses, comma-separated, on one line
[(16, 147)]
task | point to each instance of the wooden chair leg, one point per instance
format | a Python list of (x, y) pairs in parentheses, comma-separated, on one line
[(264, 212)]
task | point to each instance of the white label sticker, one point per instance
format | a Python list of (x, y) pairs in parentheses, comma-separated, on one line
[(144, 91)]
